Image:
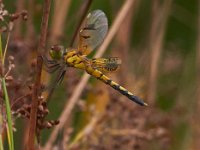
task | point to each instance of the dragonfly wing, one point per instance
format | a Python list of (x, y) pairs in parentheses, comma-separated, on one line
[(93, 32), (106, 64)]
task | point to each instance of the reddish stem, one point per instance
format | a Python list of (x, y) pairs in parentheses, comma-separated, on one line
[(36, 87)]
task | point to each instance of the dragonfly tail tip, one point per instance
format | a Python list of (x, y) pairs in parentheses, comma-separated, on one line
[(145, 104)]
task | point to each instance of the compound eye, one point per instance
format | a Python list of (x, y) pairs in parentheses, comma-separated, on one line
[(56, 48), (56, 51)]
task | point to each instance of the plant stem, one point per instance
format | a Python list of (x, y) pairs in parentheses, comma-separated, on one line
[(7, 102), (36, 87), (8, 112), (5, 51), (1, 143), (1, 52)]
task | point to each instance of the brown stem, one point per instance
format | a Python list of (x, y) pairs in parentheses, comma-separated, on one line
[(36, 87), (122, 45), (155, 43)]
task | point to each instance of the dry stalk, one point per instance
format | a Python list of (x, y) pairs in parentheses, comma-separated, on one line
[(79, 88), (122, 45), (36, 87), (151, 134), (155, 43), (126, 132)]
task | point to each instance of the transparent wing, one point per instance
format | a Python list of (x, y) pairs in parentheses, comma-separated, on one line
[(93, 32), (106, 64)]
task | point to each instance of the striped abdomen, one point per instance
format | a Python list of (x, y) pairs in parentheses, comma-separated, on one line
[(99, 75)]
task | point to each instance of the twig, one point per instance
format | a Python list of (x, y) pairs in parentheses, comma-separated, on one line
[(36, 87), (127, 132), (19, 99), (84, 12), (79, 88)]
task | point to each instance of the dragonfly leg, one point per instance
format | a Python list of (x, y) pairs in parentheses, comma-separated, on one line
[(47, 61), (52, 68), (50, 65), (57, 81)]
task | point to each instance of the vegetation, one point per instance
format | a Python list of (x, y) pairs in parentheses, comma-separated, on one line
[(158, 43)]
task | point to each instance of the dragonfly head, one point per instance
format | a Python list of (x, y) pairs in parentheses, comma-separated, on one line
[(56, 52)]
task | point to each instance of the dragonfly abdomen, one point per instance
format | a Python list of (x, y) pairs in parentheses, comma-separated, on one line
[(99, 75), (125, 92)]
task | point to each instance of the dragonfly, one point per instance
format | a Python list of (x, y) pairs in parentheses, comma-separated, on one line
[(91, 35)]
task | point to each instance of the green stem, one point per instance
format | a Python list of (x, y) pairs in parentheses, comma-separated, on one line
[(5, 51), (8, 112), (1, 52), (1, 122), (1, 143), (1, 128), (7, 102)]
